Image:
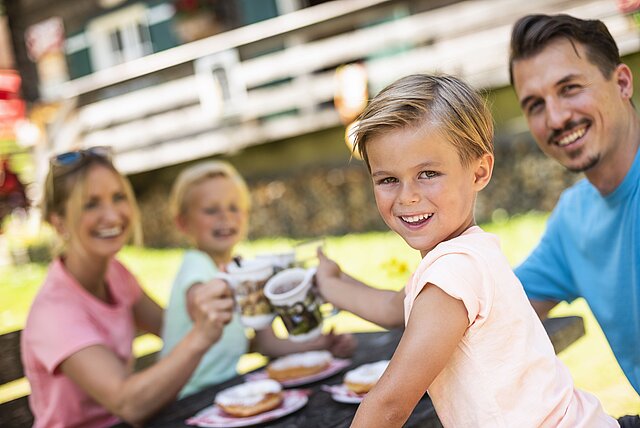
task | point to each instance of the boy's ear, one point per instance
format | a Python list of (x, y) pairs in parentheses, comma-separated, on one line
[(483, 171)]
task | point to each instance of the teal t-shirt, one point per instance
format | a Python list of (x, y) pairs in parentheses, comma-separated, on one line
[(591, 249), (219, 363)]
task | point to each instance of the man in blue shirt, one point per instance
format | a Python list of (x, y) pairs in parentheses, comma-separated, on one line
[(575, 93)]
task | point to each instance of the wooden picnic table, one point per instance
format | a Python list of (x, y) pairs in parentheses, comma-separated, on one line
[(322, 410)]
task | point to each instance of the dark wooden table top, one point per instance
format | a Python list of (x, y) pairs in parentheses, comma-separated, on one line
[(322, 410)]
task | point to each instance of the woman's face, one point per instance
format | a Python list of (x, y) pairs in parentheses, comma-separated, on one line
[(103, 224)]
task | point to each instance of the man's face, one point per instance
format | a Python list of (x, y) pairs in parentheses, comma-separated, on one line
[(576, 115)]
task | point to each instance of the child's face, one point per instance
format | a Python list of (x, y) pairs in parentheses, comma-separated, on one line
[(422, 190), (216, 217), (104, 224)]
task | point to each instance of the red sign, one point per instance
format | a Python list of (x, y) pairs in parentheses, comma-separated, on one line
[(12, 107)]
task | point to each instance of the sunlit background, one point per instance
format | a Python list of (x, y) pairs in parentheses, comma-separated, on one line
[(271, 86)]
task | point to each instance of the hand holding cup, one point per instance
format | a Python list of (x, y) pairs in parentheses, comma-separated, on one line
[(210, 306)]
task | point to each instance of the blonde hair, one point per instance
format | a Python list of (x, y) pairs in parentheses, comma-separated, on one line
[(63, 195), (444, 101), (198, 173)]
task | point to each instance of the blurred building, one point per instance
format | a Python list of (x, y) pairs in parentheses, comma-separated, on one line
[(268, 84)]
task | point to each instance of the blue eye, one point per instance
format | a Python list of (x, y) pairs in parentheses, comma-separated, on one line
[(429, 174), (387, 180)]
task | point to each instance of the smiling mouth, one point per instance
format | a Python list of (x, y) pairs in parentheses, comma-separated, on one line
[(111, 232), (416, 220), (224, 233), (572, 137)]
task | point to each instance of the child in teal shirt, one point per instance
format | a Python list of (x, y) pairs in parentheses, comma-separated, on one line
[(210, 204)]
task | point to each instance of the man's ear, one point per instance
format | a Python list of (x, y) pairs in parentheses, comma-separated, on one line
[(483, 171), (624, 79)]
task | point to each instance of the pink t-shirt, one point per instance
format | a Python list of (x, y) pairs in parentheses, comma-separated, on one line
[(65, 318), (504, 372)]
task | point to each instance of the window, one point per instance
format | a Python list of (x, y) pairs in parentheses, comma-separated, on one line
[(221, 87), (119, 37)]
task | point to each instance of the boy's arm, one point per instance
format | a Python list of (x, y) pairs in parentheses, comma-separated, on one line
[(382, 307), (436, 325)]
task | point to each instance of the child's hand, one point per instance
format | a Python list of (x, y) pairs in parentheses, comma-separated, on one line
[(327, 268), (210, 306), (327, 278)]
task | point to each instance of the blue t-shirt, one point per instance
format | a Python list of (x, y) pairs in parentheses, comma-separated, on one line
[(591, 249), (219, 363)]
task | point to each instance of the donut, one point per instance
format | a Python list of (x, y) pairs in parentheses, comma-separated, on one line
[(299, 365), (360, 380), (250, 398)]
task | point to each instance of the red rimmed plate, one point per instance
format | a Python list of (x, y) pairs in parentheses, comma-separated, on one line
[(336, 365), (214, 417)]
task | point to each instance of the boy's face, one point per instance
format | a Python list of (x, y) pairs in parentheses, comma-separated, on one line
[(216, 217), (422, 190), (575, 114)]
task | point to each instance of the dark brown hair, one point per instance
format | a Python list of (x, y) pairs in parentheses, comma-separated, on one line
[(532, 33)]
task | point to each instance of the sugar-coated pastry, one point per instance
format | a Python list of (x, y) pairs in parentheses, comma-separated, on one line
[(298, 365), (360, 380), (250, 398)]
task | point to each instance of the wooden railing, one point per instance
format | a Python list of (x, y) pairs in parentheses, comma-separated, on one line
[(290, 91)]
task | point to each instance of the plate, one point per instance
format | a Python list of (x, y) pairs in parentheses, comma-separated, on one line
[(336, 365), (342, 394), (214, 417)]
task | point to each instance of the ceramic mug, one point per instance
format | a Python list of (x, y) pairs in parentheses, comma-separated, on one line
[(293, 298), (247, 278), (279, 261)]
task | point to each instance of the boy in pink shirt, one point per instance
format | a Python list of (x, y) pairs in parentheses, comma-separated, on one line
[(471, 339)]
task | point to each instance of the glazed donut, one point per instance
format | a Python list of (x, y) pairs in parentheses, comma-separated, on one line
[(250, 398), (363, 378), (298, 365)]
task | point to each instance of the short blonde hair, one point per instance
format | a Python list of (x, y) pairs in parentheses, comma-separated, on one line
[(196, 174), (446, 102), (63, 194)]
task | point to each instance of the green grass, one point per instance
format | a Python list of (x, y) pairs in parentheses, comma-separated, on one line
[(378, 258)]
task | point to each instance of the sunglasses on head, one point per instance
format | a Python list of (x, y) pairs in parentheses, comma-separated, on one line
[(64, 163)]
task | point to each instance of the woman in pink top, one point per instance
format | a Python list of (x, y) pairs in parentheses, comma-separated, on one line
[(76, 345), (471, 338)]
